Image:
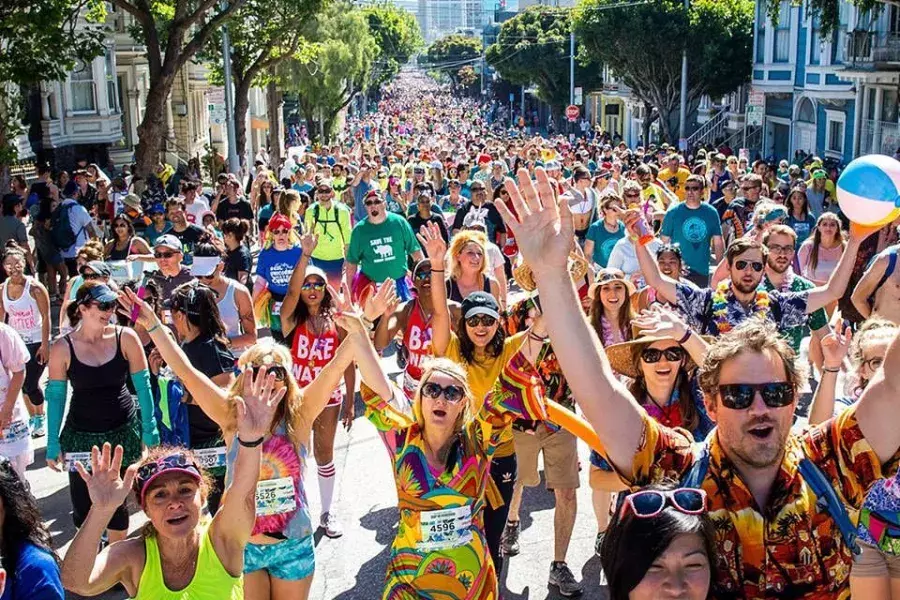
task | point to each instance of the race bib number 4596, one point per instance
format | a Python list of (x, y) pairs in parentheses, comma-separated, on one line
[(443, 529)]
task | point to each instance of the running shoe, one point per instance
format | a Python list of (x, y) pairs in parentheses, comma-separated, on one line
[(599, 542), (561, 576), (331, 525), (39, 429), (509, 540)]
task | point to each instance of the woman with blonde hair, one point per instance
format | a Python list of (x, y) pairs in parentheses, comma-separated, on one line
[(279, 559), (468, 267)]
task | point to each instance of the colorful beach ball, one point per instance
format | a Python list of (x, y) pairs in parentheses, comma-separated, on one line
[(868, 190)]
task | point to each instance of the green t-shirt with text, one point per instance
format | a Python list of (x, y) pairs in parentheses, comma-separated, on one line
[(381, 250)]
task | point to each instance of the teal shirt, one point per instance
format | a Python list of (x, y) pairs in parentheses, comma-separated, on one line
[(381, 250), (603, 241), (693, 230)]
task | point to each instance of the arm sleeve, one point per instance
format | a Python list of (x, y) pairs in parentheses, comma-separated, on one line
[(149, 432), (715, 225), (55, 395), (354, 255), (667, 224)]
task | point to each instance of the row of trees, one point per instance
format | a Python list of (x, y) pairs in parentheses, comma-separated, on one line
[(641, 44), (325, 51)]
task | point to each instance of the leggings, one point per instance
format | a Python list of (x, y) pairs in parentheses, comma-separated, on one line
[(33, 372), (504, 473)]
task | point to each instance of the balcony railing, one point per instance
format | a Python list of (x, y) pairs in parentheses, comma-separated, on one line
[(879, 137), (872, 48)]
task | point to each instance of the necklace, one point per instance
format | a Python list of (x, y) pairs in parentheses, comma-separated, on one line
[(610, 336), (724, 295)]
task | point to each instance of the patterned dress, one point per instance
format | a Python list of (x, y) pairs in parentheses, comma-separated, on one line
[(440, 552)]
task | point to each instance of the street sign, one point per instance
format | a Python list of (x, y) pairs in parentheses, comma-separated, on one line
[(579, 96), (756, 107), (572, 112), (215, 102), (512, 96)]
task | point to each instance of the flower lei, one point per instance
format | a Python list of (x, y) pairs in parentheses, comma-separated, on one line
[(720, 300)]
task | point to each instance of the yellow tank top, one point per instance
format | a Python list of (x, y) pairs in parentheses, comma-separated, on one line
[(211, 581)]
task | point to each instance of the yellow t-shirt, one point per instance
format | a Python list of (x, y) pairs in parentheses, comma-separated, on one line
[(483, 375), (675, 180)]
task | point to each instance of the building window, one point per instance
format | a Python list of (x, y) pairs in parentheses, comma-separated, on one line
[(839, 38), (834, 130), (783, 33), (815, 42), (82, 87), (109, 64), (761, 22)]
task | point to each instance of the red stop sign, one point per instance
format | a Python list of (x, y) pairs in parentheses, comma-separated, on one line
[(572, 112)]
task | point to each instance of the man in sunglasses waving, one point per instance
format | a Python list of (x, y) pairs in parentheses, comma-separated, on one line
[(773, 538)]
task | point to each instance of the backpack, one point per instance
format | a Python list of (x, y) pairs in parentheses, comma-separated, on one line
[(61, 233), (337, 220)]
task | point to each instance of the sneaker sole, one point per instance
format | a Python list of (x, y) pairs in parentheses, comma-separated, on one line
[(564, 594), (506, 552)]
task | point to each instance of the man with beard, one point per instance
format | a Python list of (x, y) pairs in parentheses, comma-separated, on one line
[(780, 241), (740, 211), (717, 311), (186, 233), (380, 246)]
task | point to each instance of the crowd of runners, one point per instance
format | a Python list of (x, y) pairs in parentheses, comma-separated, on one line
[(668, 310)]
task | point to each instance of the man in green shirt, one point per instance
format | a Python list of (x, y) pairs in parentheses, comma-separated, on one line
[(329, 220), (780, 240), (380, 248)]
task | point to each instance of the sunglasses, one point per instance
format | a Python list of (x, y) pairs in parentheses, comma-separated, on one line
[(280, 231), (91, 276), (423, 274), (631, 194), (373, 202), (743, 264), (103, 306), (278, 371), (739, 396), (654, 355), (692, 188), (163, 254), (451, 393), (646, 504), (317, 286), (476, 320)]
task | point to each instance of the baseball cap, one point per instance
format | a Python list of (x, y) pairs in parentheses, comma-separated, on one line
[(480, 303), (819, 174), (204, 266), (101, 293), (168, 241), (97, 266), (312, 271), (157, 209)]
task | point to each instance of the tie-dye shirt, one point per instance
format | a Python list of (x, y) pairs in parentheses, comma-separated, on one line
[(462, 572), (790, 548)]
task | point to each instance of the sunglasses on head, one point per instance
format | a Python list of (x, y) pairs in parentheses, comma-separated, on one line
[(451, 393), (649, 503), (743, 264), (313, 286), (163, 254), (278, 371), (654, 355), (739, 396), (476, 320)]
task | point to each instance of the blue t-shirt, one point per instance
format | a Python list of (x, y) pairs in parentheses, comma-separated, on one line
[(36, 576), (276, 267), (603, 241), (693, 230), (802, 228)]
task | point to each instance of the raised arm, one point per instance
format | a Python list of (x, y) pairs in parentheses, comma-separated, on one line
[(868, 285), (835, 346), (545, 233), (665, 286), (308, 243), (822, 296), (430, 238), (882, 397), (662, 321)]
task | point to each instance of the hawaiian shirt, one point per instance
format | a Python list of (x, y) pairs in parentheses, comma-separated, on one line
[(815, 320), (789, 548), (787, 309)]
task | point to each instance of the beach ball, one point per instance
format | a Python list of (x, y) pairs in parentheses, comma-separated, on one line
[(868, 190)]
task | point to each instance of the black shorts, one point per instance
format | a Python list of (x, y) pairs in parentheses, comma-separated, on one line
[(33, 371), (81, 504)]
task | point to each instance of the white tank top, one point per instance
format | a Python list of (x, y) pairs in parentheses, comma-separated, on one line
[(231, 318), (23, 314)]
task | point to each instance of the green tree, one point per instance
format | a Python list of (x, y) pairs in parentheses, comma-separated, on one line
[(642, 45), (173, 32), (41, 41), (397, 37), (532, 48), (448, 55), (339, 68), (263, 34)]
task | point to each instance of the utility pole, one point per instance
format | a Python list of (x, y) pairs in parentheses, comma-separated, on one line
[(682, 109), (571, 125), (233, 161)]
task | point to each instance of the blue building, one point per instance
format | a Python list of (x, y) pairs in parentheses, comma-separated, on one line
[(833, 97)]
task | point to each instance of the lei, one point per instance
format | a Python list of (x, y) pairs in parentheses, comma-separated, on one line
[(609, 335), (720, 301)]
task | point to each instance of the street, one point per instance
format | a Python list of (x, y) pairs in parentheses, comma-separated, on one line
[(352, 567)]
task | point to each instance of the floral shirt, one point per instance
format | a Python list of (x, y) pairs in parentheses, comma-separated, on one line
[(789, 548), (787, 309), (815, 320)]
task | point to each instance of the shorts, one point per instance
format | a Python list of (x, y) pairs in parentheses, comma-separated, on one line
[(875, 563), (33, 371), (560, 450), (290, 560)]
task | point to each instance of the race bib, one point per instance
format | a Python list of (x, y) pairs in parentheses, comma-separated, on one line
[(275, 496), (16, 431), (276, 308), (210, 457), (443, 529), (84, 458)]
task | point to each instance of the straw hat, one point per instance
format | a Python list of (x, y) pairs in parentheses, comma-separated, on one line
[(624, 357), (578, 268), (610, 275)]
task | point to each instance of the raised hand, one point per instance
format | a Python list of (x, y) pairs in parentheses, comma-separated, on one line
[(542, 223), (661, 321), (381, 302), (308, 242), (836, 345), (257, 405), (106, 488), (128, 300), (347, 315), (430, 238)]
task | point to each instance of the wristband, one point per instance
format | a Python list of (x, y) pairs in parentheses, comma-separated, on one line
[(152, 329), (437, 270), (828, 370), (687, 336), (252, 444)]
